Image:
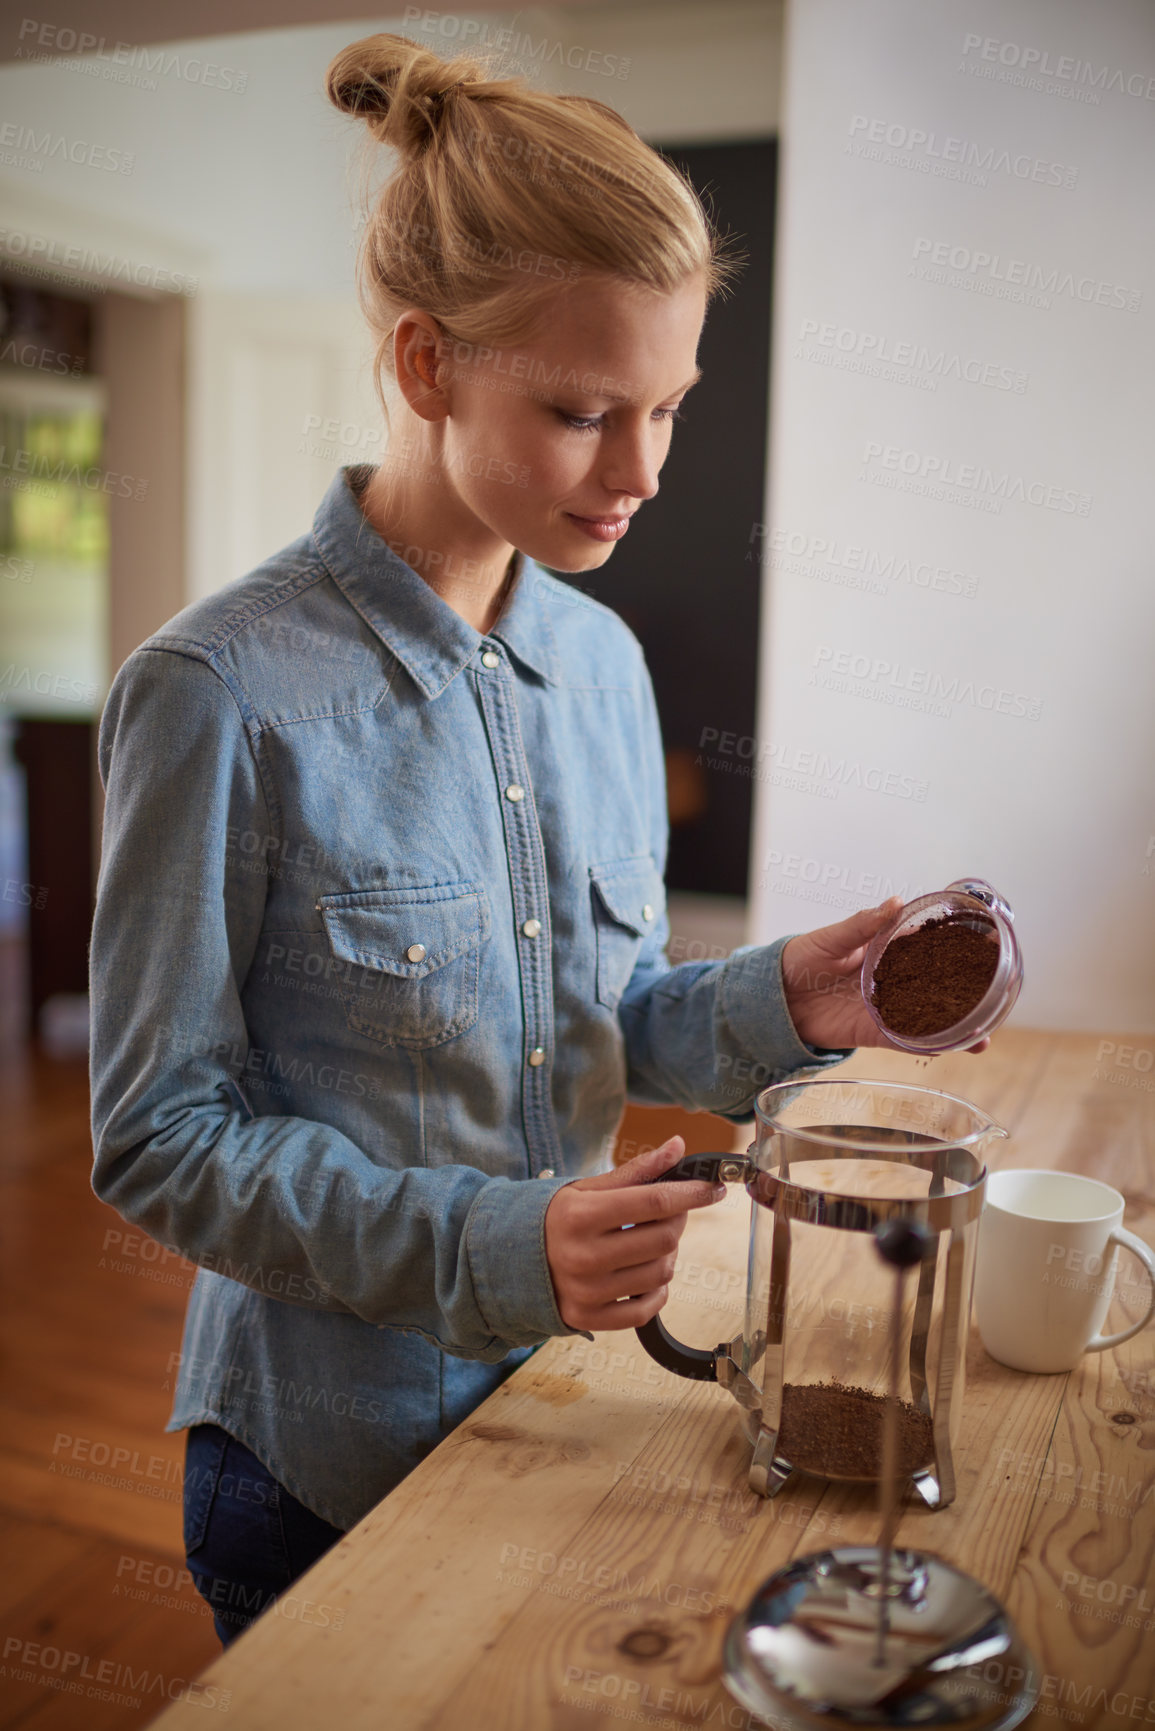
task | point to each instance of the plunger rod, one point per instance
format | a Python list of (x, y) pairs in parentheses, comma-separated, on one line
[(902, 1243), (889, 1486)]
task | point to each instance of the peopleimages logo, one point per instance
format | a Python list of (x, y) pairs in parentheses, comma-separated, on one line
[(122, 62), (1065, 68), (884, 355), (72, 1673), (804, 770), (933, 152), (992, 272), (829, 883), (39, 466), (924, 688), (858, 567), (992, 485), (517, 44), (24, 147), (67, 263), (61, 687)]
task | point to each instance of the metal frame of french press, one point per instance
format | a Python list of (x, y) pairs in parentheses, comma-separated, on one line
[(762, 1408)]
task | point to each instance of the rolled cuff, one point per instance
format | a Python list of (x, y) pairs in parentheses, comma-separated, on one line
[(752, 1001), (505, 1244)]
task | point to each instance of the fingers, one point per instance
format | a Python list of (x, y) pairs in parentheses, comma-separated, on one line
[(586, 1253), (643, 1278), (638, 1170), (849, 937), (627, 1196), (642, 1203), (626, 1249), (626, 1313), (607, 1277)]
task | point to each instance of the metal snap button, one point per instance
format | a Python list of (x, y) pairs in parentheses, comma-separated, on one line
[(547, 1172), (415, 953), (491, 659), (537, 1056), (647, 912), (532, 928), (514, 792)]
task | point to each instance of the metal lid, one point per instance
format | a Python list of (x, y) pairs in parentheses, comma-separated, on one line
[(822, 1645)]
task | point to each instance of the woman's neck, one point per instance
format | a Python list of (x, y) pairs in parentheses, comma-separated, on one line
[(462, 561)]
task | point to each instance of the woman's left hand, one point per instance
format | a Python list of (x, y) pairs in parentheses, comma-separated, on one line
[(820, 971)]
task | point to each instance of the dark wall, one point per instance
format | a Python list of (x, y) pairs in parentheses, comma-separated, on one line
[(681, 578), (44, 332), (57, 760)]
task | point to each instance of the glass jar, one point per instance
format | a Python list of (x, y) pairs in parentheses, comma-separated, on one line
[(972, 903)]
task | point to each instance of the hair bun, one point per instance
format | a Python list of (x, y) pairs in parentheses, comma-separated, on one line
[(398, 88)]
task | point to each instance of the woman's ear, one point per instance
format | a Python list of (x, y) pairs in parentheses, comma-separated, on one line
[(415, 344)]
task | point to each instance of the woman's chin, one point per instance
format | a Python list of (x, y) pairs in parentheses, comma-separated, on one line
[(559, 554)]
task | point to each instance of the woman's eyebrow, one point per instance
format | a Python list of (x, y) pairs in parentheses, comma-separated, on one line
[(612, 397)]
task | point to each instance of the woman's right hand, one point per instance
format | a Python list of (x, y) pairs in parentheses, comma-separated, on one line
[(604, 1277)]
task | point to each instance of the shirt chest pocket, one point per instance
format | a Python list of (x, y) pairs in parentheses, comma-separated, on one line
[(628, 900), (416, 958)]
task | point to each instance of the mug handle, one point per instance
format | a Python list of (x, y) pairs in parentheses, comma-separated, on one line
[(1129, 1241)]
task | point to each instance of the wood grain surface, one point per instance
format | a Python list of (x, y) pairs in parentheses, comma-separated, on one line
[(573, 1553)]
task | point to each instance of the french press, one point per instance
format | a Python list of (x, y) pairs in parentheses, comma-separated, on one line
[(832, 1159), (880, 1635)]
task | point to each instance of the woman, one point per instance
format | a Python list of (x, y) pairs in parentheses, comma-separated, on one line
[(378, 950)]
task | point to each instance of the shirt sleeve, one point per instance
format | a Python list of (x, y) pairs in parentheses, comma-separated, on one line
[(285, 1204), (705, 1035)]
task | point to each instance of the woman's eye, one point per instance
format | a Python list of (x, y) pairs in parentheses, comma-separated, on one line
[(580, 424)]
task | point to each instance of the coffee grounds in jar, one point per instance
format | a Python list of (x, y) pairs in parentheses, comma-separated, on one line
[(835, 1430), (931, 978)]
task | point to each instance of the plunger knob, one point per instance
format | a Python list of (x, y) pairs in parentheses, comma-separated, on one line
[(902, 1242)]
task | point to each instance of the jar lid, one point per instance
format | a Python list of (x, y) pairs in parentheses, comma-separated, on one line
[(946, 971)]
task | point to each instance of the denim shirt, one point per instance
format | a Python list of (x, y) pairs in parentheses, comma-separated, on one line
[(377, 961)]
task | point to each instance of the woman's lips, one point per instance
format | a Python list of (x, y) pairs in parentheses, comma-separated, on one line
[(601, 528)]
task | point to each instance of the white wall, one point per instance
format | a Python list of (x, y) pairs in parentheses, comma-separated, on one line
[(244, 169), (280, 395), (959, 496)]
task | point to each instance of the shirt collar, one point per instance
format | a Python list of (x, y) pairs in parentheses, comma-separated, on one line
[(431, 641)]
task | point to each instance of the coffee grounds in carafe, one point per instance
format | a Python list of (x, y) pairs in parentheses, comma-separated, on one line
[(931, 978), (835, 1430)]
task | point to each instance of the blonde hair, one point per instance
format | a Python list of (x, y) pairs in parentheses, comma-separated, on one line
[(502, 194)]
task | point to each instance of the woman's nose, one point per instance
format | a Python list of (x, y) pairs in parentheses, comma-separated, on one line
[(632, 462)]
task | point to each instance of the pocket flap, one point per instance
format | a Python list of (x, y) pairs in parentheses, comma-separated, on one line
[(632, 892), (379, 928)]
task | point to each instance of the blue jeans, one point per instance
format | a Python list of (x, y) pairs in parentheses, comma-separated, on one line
[(246, 1539)]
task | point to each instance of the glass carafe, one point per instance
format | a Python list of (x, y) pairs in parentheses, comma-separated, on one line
[(833, 1158)]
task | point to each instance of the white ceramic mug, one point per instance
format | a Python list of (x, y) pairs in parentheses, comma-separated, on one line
[(1048, 1245)]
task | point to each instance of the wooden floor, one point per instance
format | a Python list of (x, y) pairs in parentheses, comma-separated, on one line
[(90, 1486), (92, 1599)]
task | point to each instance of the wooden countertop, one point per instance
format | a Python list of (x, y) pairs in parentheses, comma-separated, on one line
[(573, 1553)]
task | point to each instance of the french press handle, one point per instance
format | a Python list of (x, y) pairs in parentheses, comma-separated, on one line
[(700, 1364)]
